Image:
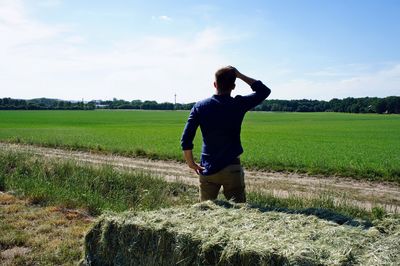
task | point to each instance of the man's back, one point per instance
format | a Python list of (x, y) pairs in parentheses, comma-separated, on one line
[(220, 118)]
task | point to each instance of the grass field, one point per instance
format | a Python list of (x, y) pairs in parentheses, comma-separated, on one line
[(43, 222), (40, 235), (71, 184), (357, 145)]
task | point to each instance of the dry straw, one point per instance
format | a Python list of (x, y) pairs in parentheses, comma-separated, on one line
[(225, 234)]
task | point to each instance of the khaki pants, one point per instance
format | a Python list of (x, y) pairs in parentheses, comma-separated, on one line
[(231, 178)]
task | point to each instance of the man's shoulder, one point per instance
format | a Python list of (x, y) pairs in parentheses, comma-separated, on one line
[(214, 100), (203, 102), (239, 99)]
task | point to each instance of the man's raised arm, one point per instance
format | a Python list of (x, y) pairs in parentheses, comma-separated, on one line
[(261, 92), (245, 78)]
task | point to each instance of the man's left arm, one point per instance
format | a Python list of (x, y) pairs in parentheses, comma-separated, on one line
[(190, 161), (187, 140)]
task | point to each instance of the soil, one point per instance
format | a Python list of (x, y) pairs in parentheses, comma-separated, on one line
[(365, 194)]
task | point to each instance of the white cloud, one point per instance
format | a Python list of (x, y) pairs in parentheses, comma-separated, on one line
[(16, 29), (75, 39), (379, 83), (347, 70), (40, 60), (157, 68), (12, 12), (162, 18), (166, 18), (49, 3)]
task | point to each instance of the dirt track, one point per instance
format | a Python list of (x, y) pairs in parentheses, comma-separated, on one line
[(361, 193)]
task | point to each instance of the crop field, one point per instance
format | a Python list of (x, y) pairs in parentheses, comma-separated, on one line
[(356, 145)]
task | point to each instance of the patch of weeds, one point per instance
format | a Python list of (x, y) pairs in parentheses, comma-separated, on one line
[(8, 163), (38, 198), (95, 188), (394, 175), (16, 140), (378, 212), (22, 260), (37, 235), (2, 182), (93, 209), (98, 147), (140, 153), (60, 254), (10, 236)]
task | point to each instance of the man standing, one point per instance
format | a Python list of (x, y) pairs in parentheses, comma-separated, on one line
[(220, 119)]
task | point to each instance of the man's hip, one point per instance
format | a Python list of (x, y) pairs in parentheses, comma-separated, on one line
[(231, 178)]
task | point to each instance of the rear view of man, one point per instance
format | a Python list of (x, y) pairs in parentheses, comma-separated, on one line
[(220, 119)]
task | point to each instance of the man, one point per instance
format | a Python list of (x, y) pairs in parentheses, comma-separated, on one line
[(220, 118)]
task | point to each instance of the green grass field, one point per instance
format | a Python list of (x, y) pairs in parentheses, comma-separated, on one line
[(97, 189), (357, 145), (42, 221)]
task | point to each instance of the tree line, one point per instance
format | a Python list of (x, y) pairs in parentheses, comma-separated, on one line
[(55, 104), (390, 105), (141, 105), (43, 104)]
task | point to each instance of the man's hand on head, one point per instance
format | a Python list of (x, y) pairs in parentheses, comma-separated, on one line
[(238, 74), (245, 78)]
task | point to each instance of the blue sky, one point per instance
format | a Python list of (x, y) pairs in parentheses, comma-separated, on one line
[(150, 50)]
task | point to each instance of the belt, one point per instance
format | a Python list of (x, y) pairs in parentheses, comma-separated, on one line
[(235, 161)]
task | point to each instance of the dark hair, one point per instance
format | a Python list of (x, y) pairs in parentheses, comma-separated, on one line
[(225, 78)]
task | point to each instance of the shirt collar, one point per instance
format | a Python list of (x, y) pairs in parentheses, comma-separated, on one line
[(223, 96)]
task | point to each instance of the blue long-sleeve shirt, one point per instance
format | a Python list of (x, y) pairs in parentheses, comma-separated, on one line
[(220, 119)]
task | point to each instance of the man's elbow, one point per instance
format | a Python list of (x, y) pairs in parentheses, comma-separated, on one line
[(262, 90), (186, 146), (264, 93), (267, 92)]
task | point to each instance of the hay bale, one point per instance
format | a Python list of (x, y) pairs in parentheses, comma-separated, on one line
[(209, 234)]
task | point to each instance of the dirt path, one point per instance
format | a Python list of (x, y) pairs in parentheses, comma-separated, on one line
[(361, 193)]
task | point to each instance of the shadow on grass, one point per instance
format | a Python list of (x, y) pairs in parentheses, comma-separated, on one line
[(321, 213)]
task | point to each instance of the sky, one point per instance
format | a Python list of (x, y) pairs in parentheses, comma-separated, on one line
[(152, 50)]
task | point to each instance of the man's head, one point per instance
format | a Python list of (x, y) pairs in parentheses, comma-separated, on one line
[(225, 79)]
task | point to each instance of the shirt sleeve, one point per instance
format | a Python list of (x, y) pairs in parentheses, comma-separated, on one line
[(190, 130), (261, 92)]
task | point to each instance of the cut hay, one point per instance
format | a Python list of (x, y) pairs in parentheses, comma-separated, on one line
[(224, 234)]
